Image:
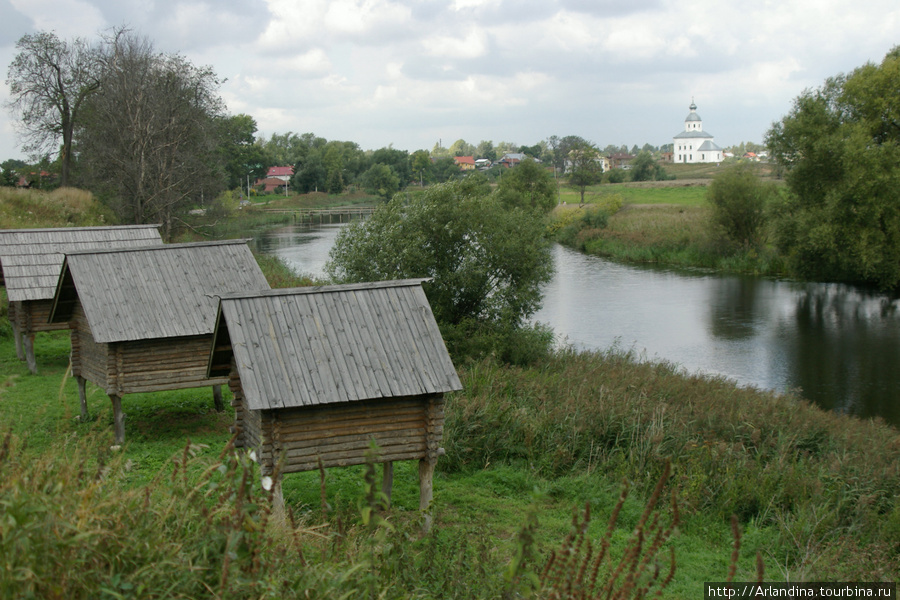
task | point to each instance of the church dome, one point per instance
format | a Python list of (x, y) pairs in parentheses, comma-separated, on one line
[(693, 116)]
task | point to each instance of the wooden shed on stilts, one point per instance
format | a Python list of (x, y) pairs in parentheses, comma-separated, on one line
[(30, 263), (142, 319), (318, 373)]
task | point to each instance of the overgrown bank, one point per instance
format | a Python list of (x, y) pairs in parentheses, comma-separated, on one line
[(815, 493)]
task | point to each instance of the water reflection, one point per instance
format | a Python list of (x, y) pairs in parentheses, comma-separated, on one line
[(838, 345), (304, 247), (844, 346)]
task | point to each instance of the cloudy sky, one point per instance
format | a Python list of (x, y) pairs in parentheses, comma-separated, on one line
[(412, 73)]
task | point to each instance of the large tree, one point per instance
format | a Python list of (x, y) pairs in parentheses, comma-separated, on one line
[(150, 135), (528, 185), (839, 148), (49, 81), (488, 262)]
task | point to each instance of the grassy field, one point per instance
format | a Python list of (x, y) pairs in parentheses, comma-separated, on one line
[(177, 513), (666, 222)]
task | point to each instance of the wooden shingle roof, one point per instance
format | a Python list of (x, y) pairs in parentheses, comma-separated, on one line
[(155, 291), (31, 259), (321, 345)]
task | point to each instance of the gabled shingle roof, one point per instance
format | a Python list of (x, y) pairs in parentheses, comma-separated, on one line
[(322, 345), (31, 259), (155, 291)]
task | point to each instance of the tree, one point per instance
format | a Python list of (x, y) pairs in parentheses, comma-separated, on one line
[(420, 165), (643, 167), (397, 160), (242, 157), (529, 186), (462, 148), (739, 200), (49, 81), (310, 175), (381, 180), (486, 150), (488, 262), (839, 148), (150, 135), (444, 169), (9, 171), (585, 168)]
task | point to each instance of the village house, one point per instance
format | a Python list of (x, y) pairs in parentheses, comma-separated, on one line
[(275, 178), (465, 163)]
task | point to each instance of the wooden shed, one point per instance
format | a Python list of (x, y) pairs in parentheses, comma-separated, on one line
[(30, 263), (317, 373), (142, 319)]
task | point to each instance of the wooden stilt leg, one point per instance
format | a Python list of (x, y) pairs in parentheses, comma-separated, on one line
[(20, 350), (387, 480), (278, 512), (426, 490), (82, 397), (119, 419), (217, 398), (28, 338)]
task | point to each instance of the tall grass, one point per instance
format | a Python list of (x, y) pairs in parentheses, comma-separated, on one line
[(63, 207), (823, 481)]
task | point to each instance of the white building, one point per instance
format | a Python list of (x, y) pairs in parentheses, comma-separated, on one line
[(693, 145)]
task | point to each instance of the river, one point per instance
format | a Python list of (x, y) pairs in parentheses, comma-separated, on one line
[(837, 345)]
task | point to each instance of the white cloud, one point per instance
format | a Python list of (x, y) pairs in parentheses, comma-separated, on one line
[(68, 18)]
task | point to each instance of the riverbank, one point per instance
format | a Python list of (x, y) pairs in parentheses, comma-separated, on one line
[(815, 493), (658, 223)]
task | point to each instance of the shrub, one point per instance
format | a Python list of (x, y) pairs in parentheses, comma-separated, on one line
[(739, 199)]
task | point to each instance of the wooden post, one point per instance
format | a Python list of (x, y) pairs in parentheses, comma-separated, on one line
[(426, 489), (119, 419), (387, 480), (29, 352), (217, 398), (278, 511), (20, 350), (82, 397)]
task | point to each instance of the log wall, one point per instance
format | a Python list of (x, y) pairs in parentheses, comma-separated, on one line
[(408, 428), (141, 366)]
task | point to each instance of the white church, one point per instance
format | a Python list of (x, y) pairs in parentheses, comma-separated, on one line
[(693, 145)]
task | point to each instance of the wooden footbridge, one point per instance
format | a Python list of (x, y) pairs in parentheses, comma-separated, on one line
[(338, 214)]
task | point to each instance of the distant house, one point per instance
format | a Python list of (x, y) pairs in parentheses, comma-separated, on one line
[(465, 163), (482, 163), (275, 178), (620, 160), (142, 319), (512, 159), (30, 264), (751, 156), (319, 373), (693, 145)]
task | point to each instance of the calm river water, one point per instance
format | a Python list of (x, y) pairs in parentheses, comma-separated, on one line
[(839, 346)]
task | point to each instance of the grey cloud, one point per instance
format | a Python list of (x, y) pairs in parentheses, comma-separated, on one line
[(13, 24)]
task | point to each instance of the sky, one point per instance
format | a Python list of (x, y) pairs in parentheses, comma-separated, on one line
[(410, 74)]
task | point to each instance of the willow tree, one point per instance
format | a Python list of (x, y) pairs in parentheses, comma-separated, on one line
[(839, 148), (49, 81)]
